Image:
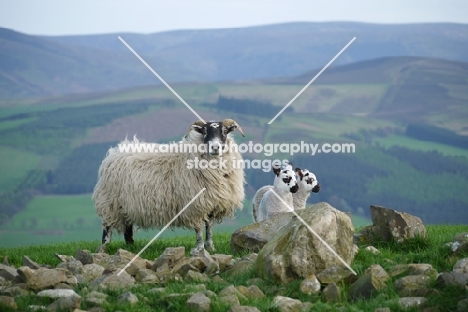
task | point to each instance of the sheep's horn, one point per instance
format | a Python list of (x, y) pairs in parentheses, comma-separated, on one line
[(230, 122), (199, 123)]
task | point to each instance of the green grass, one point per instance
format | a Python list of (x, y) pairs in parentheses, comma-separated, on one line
[(404, 141), (14, 166), (70, 218), (418, 250)]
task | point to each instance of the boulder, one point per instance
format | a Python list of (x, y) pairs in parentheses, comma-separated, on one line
[(389, 224), (199, 303), (294, 252), (46, 278), (253, 237), (113, 281), (286, 304), (413, 286), (310, 285)]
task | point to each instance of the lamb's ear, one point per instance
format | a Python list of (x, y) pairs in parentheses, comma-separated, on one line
[(230, 125), (299, 172), (276, 170), (197, 126)]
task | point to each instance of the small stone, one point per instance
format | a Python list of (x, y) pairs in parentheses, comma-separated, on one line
[(218, 279), (413, 285), (252, 292), (231, 300), (446, 279), (461, 266), (7, 272), (46, 278), (169, 258), (157, 290), (25, 273), (30, 263), (196, 277), (286, 304), (231, 290), (331, 293), (422, 269), (128, 297), (310, 285), (398, 270), (199, 302), (334, 274), (63, 286), (84, 256), (65, 304), (210, 294), (378, 274), (96, 298), (92, 271), (64, 258), (412, 302), (8, 302), (372, 250), (225, 262), (113, 281), (16, 290), (241, 267), (57, 293)]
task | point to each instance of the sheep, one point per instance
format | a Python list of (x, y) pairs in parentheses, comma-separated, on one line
[(284, 185), (307, 183), (149, 189)]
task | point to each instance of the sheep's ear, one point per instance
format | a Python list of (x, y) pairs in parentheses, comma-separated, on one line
[(197, 126), (276, 170), (299, 172), (231, 125)]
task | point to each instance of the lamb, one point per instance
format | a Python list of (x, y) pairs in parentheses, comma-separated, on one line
[(149, 189), (284, 185), (307, 183)]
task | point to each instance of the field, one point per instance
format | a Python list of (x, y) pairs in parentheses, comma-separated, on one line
[(54, 219), (15, 166), (431, 251)]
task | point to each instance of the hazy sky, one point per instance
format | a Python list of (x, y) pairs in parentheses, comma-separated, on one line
[(62, 17)]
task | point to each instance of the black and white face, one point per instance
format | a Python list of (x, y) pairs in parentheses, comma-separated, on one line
[(214, 136), (308, 180), (286, 179)]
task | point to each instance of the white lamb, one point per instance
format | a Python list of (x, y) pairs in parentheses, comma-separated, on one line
[(149, 189), (307, 183), (284, 186)]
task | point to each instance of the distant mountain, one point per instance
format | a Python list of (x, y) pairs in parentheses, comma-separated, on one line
[(413, 88), (32, 66)]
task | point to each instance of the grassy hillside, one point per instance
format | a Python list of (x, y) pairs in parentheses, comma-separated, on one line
[(429, 251)]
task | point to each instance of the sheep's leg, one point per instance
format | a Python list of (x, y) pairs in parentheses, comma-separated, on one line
[(209, 234), (106, 238), (199, 233), (106, 235), (128, 235)]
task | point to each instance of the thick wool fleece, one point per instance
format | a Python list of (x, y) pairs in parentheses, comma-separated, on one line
[(149, 189)]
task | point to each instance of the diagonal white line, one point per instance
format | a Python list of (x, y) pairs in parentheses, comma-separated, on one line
[(162, 230), (313, 232), (313, 79), (160, 78)]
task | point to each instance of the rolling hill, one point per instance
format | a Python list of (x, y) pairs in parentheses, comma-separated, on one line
[(32, 65)]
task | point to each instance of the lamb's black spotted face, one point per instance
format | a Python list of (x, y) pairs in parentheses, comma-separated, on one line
[(286, 179), (308, 180)]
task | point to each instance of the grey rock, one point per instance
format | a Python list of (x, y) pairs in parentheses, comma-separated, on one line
[(422, 269), (310, 285), (30, 263), (446, 279), (8, 302), (199, 302), (3, 282), (379, 274), (389, 224), (16, 290), (252, 292), (230, 300), (334, 274), (64, 258), (63, 286), (398, 269), (84, 256), (196, 277), (241, 267), (294, 252), (231, 290), (370, 283), (144, 273), (25, 273), (128, 297), (65, 304), (413, 286), (210, 294), (412, 302), (225, 262), (254, 236), (461, 266), (372, 250), (56, 293), (113, 281), (243, 309), (169, 258), (286, 304), (462, 305), (331, 293), (92, 271), (74, 266), (96, 298), (8, 273), (46, 278)]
